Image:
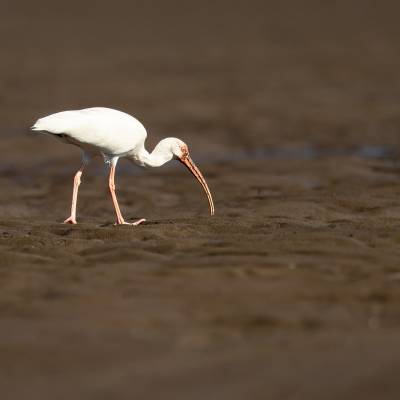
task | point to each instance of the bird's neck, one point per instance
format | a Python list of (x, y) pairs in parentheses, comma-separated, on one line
[(158, 157)]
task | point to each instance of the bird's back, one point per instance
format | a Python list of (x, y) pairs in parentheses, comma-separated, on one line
[(110, 131)]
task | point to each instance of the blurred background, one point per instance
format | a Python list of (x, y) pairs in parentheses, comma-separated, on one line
[(251, 74), (292, 109)]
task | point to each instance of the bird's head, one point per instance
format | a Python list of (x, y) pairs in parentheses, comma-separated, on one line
[(180, 152)]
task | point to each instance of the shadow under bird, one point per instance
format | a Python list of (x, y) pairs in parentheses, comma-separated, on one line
[(114, 134)]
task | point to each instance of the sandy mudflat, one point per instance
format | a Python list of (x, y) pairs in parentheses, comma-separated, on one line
[(291, 291)]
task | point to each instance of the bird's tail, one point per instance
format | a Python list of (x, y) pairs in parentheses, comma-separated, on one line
[(37, 126), (46, 124), (55, 124)]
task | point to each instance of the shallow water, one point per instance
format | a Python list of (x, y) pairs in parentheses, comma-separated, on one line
[(308, 152)]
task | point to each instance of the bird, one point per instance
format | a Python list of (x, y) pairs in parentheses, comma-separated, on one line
[(114, 134)]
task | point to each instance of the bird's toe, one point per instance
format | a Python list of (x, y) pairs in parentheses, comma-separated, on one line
[(138, 222), (70, 220)]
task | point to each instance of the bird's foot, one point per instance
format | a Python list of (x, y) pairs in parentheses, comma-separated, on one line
[(138, 222), (70, 220)]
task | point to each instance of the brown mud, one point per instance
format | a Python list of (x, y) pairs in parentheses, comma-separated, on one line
[(291, 291)]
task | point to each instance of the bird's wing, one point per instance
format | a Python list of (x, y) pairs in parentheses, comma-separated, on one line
[(110, 131)]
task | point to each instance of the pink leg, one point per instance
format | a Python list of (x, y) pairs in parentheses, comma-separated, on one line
[(77, 182), (111, 184)]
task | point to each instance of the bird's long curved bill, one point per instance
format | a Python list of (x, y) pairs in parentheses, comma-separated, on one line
[(191, 166)]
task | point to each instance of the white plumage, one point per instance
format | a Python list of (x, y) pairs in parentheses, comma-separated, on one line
[(113, 134), (109, 131)]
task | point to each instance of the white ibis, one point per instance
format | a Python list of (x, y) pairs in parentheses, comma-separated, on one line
[(114, 134)]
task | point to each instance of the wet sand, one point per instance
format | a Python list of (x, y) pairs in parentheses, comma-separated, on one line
[(291, 291)]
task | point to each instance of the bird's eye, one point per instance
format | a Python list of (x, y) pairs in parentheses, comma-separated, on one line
[(184, 152)]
